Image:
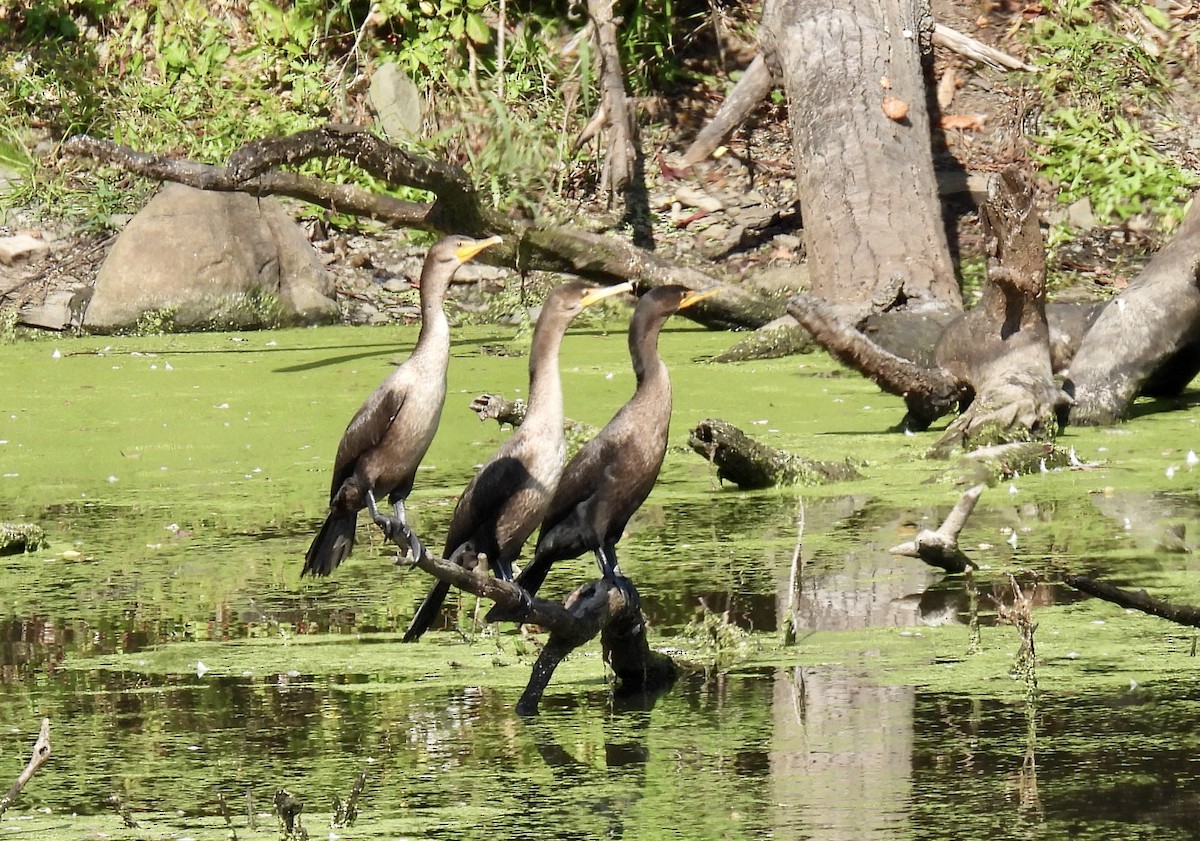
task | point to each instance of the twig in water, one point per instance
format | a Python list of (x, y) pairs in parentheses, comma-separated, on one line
[(940, 548), (123, 810), (41, 752), (790, 631), (344, 814), (224, 807)]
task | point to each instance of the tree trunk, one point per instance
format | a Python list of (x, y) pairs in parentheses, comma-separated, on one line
[(1146, 335), (1002, 346), (861, 142)]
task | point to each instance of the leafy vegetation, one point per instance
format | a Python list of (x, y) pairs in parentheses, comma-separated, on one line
[(202, 77), (1103, 84)]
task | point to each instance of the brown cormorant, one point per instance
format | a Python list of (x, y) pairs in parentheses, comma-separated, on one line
[(505, 501), (391, 432), (611, 476)]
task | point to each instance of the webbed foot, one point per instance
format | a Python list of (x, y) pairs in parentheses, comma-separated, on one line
[(395, 528)]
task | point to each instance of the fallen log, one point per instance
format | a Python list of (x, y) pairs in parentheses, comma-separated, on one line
[(748, 464)]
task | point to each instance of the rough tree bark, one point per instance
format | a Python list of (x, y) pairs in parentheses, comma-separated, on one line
[(618, 168), (1001, 348), (1149, 335), (861, 143), (996, 358)]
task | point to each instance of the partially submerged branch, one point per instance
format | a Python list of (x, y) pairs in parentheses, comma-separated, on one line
[(512, 412), (1181, 614), (749, 464), (939, 548), (41, 753), (595, 608), (928, 392)]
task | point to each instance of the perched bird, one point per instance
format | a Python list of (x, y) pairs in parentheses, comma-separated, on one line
[(503, 504), (391, 432), (611, 476)]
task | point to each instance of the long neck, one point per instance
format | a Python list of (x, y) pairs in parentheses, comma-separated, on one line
[(648, 367), (545, 409), (435, 329)]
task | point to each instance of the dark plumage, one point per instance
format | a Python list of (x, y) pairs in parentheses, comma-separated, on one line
[(391, 432), (611, 476), (505, 501)]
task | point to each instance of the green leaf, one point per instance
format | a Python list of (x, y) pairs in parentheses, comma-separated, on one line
[(477, 30), (1156, 16)]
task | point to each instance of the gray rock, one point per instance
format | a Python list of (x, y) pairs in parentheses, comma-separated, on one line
[(54, 313), (211, 259), (20, 247), (396, 102), (1080, 215)]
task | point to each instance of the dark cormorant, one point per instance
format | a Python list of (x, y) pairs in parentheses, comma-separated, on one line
[(611, 476), (505, 501), (391, 432)]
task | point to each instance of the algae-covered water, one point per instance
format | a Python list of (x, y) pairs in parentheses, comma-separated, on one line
[(189, 671)]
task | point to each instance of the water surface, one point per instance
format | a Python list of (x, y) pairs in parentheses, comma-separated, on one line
[(184, 664)]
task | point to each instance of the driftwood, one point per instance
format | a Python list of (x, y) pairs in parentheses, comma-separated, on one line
[(939, 548), (1001, 348), (1181, 614), (594, 608), (749, 464), (928, 392), (512, 412), (21, 537), (457, 209), (41, 753)]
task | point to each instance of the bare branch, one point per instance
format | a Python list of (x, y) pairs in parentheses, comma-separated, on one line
[(1182, 614), (457, 209), (598, 607), (41, 753), (940, 548), (338, 197)]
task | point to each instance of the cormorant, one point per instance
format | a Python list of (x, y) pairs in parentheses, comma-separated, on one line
[(391, 432), (505, 501), (611, 476)]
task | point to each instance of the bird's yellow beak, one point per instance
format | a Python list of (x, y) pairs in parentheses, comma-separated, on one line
[(466, 252), (605, 292), (692, 297)]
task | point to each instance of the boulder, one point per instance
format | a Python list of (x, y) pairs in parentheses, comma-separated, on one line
[(193, 259), (396, 100)]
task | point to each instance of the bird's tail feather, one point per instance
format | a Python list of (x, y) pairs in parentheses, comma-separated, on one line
[(533, 576), (427, 612), (332, 544)]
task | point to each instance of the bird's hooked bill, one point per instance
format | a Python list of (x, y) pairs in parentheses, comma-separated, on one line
[(605, 292), (692, 297), (466, 252)]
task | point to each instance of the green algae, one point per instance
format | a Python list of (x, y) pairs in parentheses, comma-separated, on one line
[(166, 632)]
